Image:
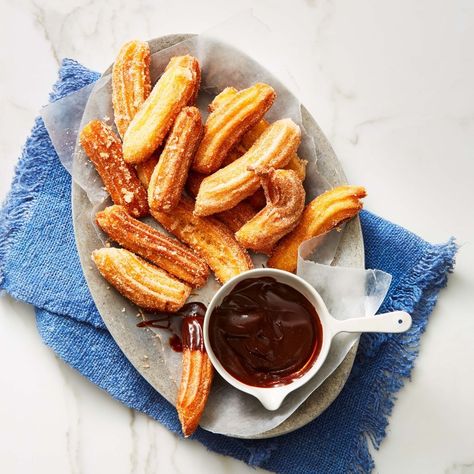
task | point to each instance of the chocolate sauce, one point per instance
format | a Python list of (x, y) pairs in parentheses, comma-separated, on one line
[(265, 333), (169, 321), (175, 343), (192, 333), (161, 323)]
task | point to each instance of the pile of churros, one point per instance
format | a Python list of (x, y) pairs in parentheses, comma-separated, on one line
[(223, 188)]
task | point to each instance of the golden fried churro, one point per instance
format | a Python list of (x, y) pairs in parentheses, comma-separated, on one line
[(296, 163), (285, 203), (104, 149), (191, 63), (234, 154), (130, 82), (152, 122), (234, 218), (141, 282), (252, 135), (169, 254), (230, 185), (248, 139), (226, 125), (221, 98), (321, 215), (146, 168), (211, 239), (196, 375), (170, 174)]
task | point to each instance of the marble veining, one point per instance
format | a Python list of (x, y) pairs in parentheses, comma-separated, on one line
[(73, 439), (134, 444), (460, 468), (40, 20), (152, 448)]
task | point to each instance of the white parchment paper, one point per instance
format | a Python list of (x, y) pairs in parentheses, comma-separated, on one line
[(347, 292)]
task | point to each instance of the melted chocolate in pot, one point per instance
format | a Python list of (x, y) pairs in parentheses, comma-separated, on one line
[(265, 333)]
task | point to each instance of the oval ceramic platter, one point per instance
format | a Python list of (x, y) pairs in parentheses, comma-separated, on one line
[(141, 346)]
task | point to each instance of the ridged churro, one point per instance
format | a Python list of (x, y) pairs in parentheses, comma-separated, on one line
[(295, 163), (226, 125), (321, 215), (152, 122), (170, 174), (285, 203), (257, 199), (196, 375), (230, 185), (221, 98), (233, 218), (210, 238), (252, 135), (234, 154), (146, 168), (151, 244), (104, 149), (236, 217), (141, 282), (130, 82), (191, 63), (249, 138)]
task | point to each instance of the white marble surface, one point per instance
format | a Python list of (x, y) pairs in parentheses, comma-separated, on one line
[(391, 84)]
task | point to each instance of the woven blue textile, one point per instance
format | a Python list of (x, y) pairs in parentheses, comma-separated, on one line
[(39, 264)]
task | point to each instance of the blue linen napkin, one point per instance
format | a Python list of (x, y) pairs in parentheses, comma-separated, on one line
[(39, 265)]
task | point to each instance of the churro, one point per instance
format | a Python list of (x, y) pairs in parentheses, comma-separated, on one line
[(234, 154), (221, 98), (210, 238), (190, 62), (141, 282), (226, 125), (236, 217), (196, 376), (249, 138), (321, 215), (130, 82), (104, 149), (233, 218), (152, 122), (170, 174), (230, 185), (146, 168), (151, 244), (285, 203)]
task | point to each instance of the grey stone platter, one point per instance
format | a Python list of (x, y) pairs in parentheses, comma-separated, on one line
[(141, 347)]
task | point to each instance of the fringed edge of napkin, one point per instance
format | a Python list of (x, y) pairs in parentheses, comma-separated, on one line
[(30, 174), (417, 294)]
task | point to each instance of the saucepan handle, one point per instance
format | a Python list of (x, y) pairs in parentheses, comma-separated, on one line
[(396, 321)]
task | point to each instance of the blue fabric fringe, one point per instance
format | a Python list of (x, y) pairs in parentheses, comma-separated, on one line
[(417, 294), (39, 265)]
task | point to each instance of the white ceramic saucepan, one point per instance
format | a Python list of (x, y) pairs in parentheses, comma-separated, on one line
[(272, 397)]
